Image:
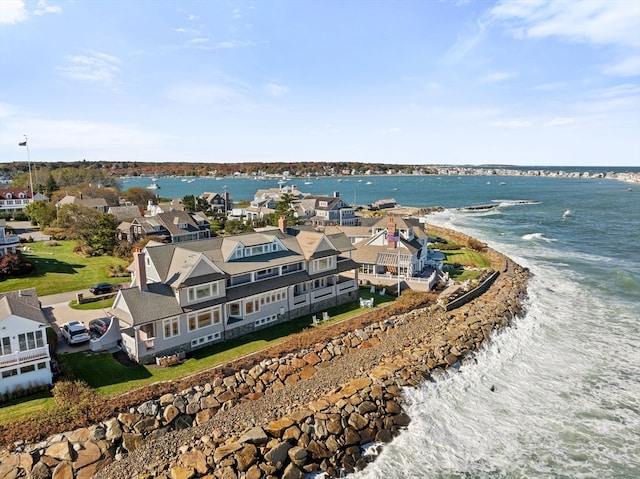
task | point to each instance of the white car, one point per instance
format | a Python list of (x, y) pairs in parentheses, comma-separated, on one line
[(74, 332)]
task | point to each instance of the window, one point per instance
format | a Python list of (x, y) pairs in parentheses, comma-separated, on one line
[(171, 327), (234, 309), (5, 346), (199, 320), (27, 369), (30, 340), (9, 373), (42, 365), (250, 307), (202, 291), (323, 263)]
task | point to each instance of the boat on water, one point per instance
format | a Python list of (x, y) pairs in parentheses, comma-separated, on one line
[(153, 186)]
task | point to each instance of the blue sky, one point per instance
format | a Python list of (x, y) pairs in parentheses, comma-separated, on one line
[(538, 82)]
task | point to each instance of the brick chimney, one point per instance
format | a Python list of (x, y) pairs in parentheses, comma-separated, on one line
[(282, 223), (392, 238), (141, 270)]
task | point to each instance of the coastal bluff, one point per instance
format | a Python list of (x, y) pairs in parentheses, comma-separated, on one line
[(306, 411)]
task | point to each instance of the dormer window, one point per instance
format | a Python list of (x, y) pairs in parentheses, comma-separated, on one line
[(9, 195), (182, 226), (202, 291), (22, 195)]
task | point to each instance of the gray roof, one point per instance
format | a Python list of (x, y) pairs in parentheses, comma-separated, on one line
[(23, 303), (145, 306)]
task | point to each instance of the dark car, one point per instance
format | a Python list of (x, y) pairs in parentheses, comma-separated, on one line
[(101, 288), (99, 326)]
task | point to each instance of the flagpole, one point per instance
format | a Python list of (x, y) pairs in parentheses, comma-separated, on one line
[(26, 143)]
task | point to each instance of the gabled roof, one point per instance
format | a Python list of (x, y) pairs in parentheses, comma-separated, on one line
[(124, 212), (145, 306), (314, 245), (88, 202), (15, 192), (23, 303)]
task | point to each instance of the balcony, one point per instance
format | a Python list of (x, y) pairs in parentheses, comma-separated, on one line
[(9, 240), (20, 357)]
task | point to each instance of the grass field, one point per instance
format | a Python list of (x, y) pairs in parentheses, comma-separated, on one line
[(59, 269)]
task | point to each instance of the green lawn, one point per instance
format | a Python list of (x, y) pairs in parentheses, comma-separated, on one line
[(59, 269), (467, 257)]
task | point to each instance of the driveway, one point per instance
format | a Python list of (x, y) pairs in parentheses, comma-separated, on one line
[(25, 230), (57, 311)]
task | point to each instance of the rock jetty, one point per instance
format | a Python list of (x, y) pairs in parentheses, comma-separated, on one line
[(283, 417)]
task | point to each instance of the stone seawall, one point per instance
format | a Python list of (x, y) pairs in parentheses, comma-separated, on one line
[(283, 417)]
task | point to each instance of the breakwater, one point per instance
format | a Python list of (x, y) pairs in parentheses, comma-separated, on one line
[(306, 411)]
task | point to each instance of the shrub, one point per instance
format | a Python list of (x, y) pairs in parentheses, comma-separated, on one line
[(20, 216), (476, 245), (14, 264), (51, 243), (118, 271), (74, 398), (83, 250), (56, 233)]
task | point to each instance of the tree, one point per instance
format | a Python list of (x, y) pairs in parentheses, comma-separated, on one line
[(284, 207), (41, 213), (50, 186), (104, 240), (191, 204), (79, 221), (139, 196)]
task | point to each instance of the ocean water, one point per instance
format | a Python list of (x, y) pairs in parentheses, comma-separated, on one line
[(565, 377)]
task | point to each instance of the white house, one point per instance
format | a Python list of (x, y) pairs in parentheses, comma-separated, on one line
[(24, 353), (8, 242)]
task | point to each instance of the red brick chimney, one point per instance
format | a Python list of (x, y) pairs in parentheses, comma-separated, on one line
[(141, 270), (282, 223)]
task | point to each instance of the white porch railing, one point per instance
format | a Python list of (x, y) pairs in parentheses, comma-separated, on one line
[(24, 356)]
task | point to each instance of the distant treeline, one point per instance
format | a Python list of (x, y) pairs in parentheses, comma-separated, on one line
[(133, 168)]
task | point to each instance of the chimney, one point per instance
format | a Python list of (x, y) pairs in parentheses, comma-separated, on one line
[(392, 238), (141, 270), (282, 223)]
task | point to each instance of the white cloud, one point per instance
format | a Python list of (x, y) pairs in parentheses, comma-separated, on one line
[(13, 11), (43, 7), (276, 90), (514, 124), (628, 67), (497, 77), (601, 22), (560, 121), (98, 68), (466, 42), (232, 44)]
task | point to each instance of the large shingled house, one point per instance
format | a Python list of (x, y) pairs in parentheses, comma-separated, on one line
[(188, 295)]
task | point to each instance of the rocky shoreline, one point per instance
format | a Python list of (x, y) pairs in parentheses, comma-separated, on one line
[(305, 412)]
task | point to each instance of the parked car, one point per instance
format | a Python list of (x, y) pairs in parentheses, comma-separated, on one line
[(74, 332), (99, 326), (101, 288)]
